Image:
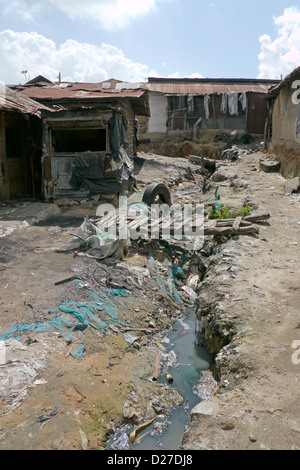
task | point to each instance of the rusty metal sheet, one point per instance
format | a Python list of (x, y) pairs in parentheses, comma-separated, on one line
[(202, 89), (206, 85), (14, 101), (257, 113), (76, 91)]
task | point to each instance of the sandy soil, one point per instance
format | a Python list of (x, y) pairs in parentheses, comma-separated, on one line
[(257, 404)]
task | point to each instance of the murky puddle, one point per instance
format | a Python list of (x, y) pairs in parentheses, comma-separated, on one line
[(184, 344)]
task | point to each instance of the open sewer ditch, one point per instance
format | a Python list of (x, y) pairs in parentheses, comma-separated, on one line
[(188, 359)]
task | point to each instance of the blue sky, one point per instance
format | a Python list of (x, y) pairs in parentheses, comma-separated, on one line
[(94, 40)]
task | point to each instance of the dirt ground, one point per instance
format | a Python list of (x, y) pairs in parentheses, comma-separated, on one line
[(253, 281), (39, 373)]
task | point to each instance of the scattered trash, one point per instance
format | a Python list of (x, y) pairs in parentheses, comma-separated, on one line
[(156, 367), (140, 428), (130, 412), (47, 416), (80, 316), (134, 397), (190, 292), (40, 382), (169, 378), (121, 443), (130, 339), (63, 281), (96, 243), (193, 281), (169, 359)]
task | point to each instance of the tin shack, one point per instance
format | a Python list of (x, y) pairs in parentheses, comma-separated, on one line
[(20, 144), (89, 136)]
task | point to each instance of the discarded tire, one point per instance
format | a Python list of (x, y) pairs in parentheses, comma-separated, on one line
[(221, 138), (232, 140), (157, 193), (245, 138)]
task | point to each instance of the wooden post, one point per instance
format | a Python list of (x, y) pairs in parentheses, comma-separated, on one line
[(4, 156)]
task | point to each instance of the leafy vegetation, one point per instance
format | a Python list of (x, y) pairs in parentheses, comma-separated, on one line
[(224, 212)]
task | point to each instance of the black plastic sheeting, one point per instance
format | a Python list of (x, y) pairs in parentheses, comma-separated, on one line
[(88, 170)]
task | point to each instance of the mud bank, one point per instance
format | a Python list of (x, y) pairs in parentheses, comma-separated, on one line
[(249, 302)]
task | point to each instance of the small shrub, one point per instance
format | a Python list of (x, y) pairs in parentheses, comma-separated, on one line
[(224, 212)]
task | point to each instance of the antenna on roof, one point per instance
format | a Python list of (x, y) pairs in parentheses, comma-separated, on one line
[(25, 72), (59, 77)]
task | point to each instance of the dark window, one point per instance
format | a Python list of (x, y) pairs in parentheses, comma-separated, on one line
[(14, 143), (79, 140)]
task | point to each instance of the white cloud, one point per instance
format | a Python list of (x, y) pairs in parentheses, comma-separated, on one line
[(179, 75), (76, 61), (22, 8), (195, 75), (281, 55), (108, 14)]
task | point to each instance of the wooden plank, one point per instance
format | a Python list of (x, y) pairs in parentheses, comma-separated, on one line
[(140, 329), (230, 230), (236, 223), (210, 223), (257, 217), (208, 163), (249, 229), (229, 223)]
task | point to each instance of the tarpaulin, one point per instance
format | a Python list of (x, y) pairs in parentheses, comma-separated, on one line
[(88, 170)]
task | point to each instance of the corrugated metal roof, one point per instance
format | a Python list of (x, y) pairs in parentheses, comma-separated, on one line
[(60, 91), (12, 101), (203, 88)]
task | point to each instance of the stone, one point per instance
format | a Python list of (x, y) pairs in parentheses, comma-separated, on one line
[(226, 424), (292, 185), (218, 176), (64, 201), (207, 407)]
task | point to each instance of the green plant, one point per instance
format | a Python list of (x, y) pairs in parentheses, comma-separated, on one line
[(223, 212)]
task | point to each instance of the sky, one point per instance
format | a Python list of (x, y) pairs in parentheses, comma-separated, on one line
[(131, 40)]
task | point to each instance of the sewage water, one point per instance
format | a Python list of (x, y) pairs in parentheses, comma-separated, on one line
[(192, 359)]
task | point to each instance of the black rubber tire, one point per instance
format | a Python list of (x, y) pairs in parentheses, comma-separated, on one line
[(155, 190), (245, 138), (232, 140), (221, 138)]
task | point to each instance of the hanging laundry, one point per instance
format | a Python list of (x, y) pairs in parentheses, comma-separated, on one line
[(206, 105), (243, 100), (224, 103), (233, 103)]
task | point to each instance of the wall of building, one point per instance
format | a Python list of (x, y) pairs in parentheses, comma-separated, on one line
[(3, 185), (158, 108), (13, 170), (285, 141), (182, 112), (285, 121)]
